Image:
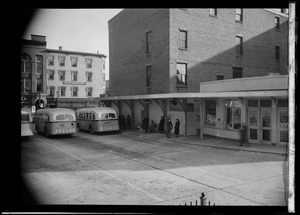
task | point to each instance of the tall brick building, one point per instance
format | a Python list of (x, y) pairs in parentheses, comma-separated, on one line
[(159, 59), (152, 45)]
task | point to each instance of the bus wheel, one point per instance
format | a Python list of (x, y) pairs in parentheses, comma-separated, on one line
[(91, 129)]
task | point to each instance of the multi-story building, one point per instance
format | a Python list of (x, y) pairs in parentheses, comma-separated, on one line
[(60, 78), (76, 78), (160, 57), (33, 67)]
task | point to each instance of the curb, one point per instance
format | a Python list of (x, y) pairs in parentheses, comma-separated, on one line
[(203, 145)]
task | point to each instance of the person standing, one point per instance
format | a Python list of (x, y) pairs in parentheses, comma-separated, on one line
[(169, 127), (146, 123), (177, 125), (128, 121), (243, 135), (161, 125)]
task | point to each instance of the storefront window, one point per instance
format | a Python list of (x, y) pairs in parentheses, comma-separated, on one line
[(210, 112), (233, 113)]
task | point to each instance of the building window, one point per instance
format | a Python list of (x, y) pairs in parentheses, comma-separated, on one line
[(181, 74), (239, 45), (183, 39), (283, 102), (220, 77), (61, 75), (61, 60), (252, 103), (89, 91), (74, 75), (148, 76), (26, 85), (265, 103), (26, 63), (39, 85), (89, 76), (148, 42), (74, 91), (277, 23), (39, 64), (88, 62), (50, 60), (62, 91), (213, 11), (233, 113), (51, 75), (277, 53), (210, 112), (239, 14), (51, 91), (237, 72), (74, 61)]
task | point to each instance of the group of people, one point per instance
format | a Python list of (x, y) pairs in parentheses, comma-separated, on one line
[(163, 127)]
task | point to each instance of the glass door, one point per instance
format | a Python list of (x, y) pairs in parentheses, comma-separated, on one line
[(266, 125), (283, 134), (253, 125)]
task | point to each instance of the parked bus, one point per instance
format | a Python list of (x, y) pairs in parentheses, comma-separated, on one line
[(55, 121), (98, 119), (27, 124)]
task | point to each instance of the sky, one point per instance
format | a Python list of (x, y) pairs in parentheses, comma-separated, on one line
[(83, 30)]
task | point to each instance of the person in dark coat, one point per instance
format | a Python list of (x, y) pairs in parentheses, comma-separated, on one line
[(177, 125), (146, 124), (128, 121), (169, 127), (161, 125), (243, 135)]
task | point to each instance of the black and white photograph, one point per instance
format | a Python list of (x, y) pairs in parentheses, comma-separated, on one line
[(185, 107)]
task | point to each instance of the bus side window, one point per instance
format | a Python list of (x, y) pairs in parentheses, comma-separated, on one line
[(93, 116)]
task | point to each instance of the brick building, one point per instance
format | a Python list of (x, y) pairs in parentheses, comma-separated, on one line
[(158, 57), (60, 77), (33, 67), (76, 78)]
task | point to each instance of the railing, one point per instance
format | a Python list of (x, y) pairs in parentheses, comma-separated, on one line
[(202, 202)]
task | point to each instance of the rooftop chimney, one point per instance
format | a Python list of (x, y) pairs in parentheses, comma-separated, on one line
[(60, 48)]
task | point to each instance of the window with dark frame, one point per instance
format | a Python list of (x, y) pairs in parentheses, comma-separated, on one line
[(39, 64), (148, 76), (183, 39), (181, 73), (210, 112), (61, 60), (89, 76), (62, 91), (89, 91), (277, 23), (220, 77), (61, 74), (239, 14), (239, 45), (148, 42), (50, 60), (51, 74), (51, 91), (237, 72), (74, 91), (277, 53), (88, 62), (74, 75), (74, 61)]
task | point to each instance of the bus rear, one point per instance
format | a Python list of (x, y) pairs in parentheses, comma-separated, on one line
[(62, 123), (27, 125)]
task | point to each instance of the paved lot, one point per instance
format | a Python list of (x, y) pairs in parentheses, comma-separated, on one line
[(130, 169)]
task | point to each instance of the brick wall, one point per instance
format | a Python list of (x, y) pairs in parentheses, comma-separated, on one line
[(211, 47), (127, 51)]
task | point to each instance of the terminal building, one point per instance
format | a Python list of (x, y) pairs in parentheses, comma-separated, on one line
[(60, 78), (213, 69)]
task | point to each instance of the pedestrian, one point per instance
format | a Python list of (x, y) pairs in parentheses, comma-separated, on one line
[(146, 123), (177, 125), (169, 127), (152, 126), (161, 125), (128, 121), (243, 135)]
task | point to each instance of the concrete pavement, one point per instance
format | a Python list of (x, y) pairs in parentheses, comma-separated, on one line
[(215, 142)]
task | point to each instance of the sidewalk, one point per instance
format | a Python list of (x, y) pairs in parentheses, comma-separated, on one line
[(215, 142)]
